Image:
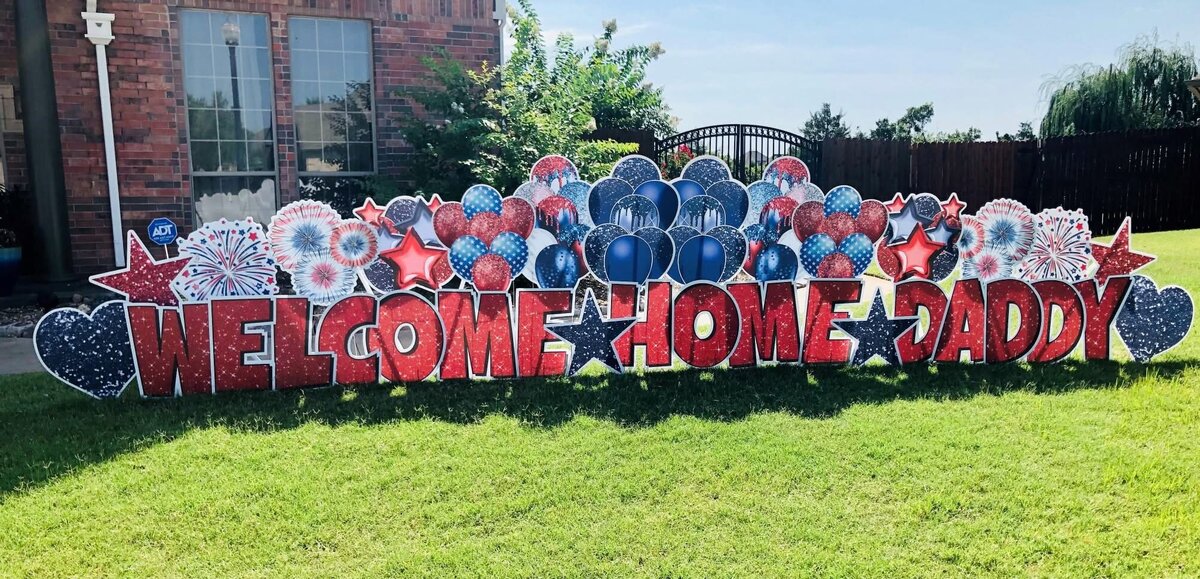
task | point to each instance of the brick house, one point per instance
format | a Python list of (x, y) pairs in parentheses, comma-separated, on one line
[(220, 108)]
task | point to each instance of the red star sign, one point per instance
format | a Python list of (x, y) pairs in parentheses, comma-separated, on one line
[(953, 206), (434, 202), (896, 204), (370, 212), (415, 262), (143, 280), (1117, 258), (915, 253)]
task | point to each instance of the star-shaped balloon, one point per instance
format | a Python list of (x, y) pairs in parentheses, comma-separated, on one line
[(953, 207), (915, 253), (1116, 258), (143, 280), (903, 222), (592, 338), (941, 233), (369, 212), (896, 204), (876, 335), (415, 263)]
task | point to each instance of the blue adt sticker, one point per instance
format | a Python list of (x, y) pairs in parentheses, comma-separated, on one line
[(162, 231)]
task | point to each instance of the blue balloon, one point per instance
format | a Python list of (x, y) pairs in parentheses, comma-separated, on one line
[(664, 197), (733, 198), (595, 245), (634, 212), (687, 189), (702, 213), (480, 199), (577, 193), (706, 171), (760, 193), (734, 244), (843, 199), (859, 249), (776, 263), (702, 258), (463, 254), (635, 170), (557, 266), (572, 233), (628, 259), (604, 196), (814, 249), (679, 234), (512, 248), (661, 247)]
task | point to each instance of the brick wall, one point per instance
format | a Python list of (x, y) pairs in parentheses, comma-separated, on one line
[(149, 114)]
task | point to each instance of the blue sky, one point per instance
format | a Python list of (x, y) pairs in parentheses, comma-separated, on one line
[(981, 63)]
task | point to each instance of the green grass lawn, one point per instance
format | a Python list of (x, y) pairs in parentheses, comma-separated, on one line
[(1067, 470)]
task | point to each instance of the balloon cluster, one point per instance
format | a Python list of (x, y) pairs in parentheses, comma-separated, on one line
[(559, 199), (773, 200), (410, 253), (923, 237), (631, 209), (709, 244), (834, 237), (486, 236)]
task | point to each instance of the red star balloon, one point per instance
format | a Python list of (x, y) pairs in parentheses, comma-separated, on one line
[(953, 206), (1117, 258), (416, 263), (433, 202), (916, 252), (896, 204), (370, 212), (143, 280)]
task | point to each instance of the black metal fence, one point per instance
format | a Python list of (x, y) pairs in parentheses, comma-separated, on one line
[(746, 148)]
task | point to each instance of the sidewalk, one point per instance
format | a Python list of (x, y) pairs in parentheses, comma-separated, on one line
[(16, 356)]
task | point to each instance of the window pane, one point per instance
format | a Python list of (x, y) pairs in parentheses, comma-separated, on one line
[(254, 63), (357, 67), (359, 97), (253, 31), (359, 128), (343, 193), (361, 157), (304, 65), (199, 92), (329, 34), (233, 156), (334, 156), (356, 35), (305, 94), (261, 155), (220, 60), (303, 33), (197, 60), (256, 94), (202, 124), (333, 96), (230, 126), (234, 198), (195, 27), (331, 66), (310, 156), (333, 127), (224, 97), (204, 156), (308, 128), (258, 125)]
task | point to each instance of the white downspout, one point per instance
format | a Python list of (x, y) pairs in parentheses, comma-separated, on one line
[(99, 31)]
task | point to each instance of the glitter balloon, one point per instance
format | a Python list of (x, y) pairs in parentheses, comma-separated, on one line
[(353, 243), (604, 196), (635, 170), (301, 229), (596, 244), (555, 171), (734, 199), (516, 215), (808, 218), (776, 215), (706, 170), (577, 193), (634, 212), (485, 226), (836, 266), (450, 223), (872, 219), (927, 206), (734, 245), (786, 172), (490, 273), (805, 192), (702, 213), (761, 193), (838, 226)]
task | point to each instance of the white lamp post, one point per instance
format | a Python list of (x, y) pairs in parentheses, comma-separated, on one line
[(99, 31)]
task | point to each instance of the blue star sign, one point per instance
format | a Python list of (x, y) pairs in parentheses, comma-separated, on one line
[(592, 338), (876, 335)]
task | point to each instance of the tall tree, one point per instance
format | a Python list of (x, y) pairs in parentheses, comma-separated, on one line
[(1024, 133), (908, 126), (823, 124), (1144, 89)]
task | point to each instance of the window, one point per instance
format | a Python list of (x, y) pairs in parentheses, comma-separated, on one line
[(332, 95), (230, 103)]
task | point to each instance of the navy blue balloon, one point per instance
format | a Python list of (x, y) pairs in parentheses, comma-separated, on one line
[(706, 170), (628, 259), (702, 258), (734, 244), (776, 263), (557, 267), (634, 212), (664, 197), (661, 247), (595, 246), (604, 196), (702, 213), (635, 170), (687, 189), (859, 249), (679, 234), (733, 198), (814, 249)]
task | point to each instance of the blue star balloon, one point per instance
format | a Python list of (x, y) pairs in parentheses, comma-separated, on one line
[(701, 258), (814, 249), (463, 254), (734, 200), (592, 338), (776, 263), (665, 200), (926, 205), (876, 335), (661, 247), (557, 266), (902, 224), (603, 197), (859, 249), (628, 259), (635, 170), (843, 199), (480, 199), (512, 248)]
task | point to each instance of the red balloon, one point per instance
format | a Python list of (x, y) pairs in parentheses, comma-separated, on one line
[(441, 270), (485, 226), (807, 219), (785, 207), (549, 210), (889, 262), (516, 215), (449, 222), (836, 265), (490, 273), (872, 219), (838, 226)]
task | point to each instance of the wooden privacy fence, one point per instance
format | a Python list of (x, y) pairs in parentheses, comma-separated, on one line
[(1151, 175)]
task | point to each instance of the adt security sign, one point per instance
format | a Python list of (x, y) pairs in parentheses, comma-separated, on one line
[(162, 231)]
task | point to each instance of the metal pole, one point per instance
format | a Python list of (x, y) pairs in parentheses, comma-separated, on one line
[(99, 31), (43, 149)]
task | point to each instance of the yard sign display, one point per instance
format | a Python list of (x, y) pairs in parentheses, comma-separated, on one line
[(703, 269)]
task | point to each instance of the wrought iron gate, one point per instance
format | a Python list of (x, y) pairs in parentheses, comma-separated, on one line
[(746, 148)]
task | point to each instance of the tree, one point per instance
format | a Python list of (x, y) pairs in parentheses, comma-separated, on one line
[(1144, 89), (1024, 133), (908, 126), (823, 124)]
